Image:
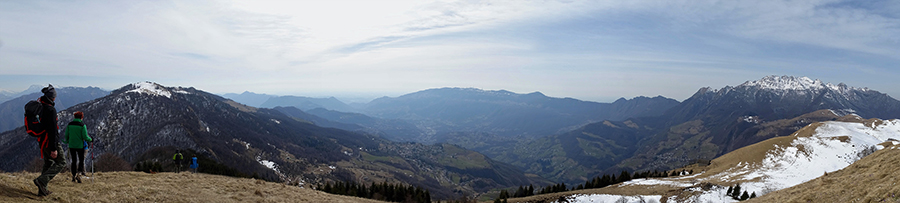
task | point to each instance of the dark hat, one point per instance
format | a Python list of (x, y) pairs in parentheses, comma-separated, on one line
[(49, 92)]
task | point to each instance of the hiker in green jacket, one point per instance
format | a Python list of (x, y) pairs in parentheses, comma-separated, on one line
[(178, 159), (76, 137)]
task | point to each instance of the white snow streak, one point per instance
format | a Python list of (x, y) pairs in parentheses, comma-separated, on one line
[(601, 198)]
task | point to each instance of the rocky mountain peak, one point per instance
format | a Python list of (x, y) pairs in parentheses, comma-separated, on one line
[(791, 83)]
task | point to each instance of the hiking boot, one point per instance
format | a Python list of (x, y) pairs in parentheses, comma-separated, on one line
[(42, 191), (78, 178)]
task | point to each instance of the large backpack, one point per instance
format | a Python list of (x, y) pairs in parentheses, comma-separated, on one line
[(32, 119)]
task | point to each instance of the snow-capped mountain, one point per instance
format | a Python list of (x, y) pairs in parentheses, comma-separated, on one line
[(791, 83), (775, 97), (771, 165)]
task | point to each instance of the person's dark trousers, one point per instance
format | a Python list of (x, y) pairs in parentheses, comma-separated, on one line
[(51, 167), (77, 156)]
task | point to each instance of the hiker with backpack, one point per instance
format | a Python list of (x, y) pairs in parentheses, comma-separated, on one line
[(178, 159), (77, 138), (40, 122)]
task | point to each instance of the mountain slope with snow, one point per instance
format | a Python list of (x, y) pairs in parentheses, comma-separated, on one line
[(871, 179), (723, 120), (775, 164), (812, 152)]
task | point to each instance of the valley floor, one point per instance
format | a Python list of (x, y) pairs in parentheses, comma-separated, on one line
[(160, 187)]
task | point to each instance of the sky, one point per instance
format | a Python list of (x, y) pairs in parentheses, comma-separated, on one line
[(590, 50)]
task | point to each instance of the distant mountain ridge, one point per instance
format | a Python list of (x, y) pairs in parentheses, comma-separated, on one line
[(12, 111), (249, 98), (506, 113), (6, 95), (307, 103)]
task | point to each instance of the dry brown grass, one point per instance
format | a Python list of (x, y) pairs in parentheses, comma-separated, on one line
[(160, 187), (872, 179)]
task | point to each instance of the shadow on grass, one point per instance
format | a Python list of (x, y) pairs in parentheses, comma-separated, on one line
[(8, 191)]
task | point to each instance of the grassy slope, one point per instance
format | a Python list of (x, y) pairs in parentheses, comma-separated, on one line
[(160, 187), (872, 179)]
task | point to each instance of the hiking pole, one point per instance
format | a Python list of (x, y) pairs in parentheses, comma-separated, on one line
[(92, 162)]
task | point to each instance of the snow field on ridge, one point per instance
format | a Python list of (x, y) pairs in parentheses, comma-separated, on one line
[(150, 88)]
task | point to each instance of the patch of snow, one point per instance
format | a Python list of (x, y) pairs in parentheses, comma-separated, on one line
[(348, 153), (182, 92), (151, 89), (657, 181), (750, 119), (332, 167), (276, 121), (601, 198), (717, 194), (268, 164)]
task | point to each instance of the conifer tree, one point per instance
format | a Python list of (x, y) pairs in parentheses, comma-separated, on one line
[(625, 176), (730, 189), (745, 196), (608, 179), (503, 194), (753, 195), (737, 192), (530, 190)]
